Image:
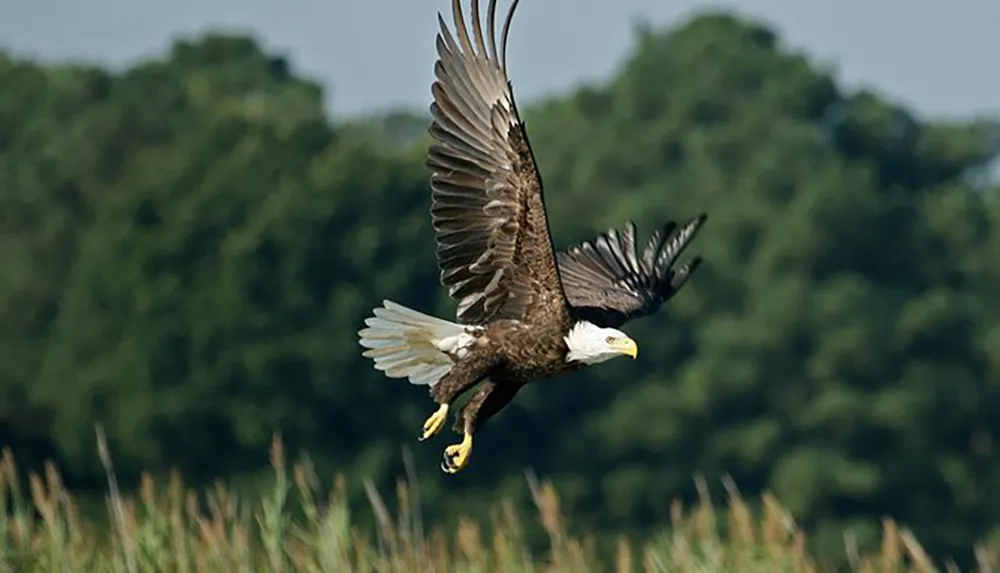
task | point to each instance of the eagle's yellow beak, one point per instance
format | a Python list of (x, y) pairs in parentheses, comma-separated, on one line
[(628, 346)]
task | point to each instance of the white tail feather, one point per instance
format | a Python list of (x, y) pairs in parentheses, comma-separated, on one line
[(406, 343)]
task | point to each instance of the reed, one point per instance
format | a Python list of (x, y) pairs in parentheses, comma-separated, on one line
[(300, 526)]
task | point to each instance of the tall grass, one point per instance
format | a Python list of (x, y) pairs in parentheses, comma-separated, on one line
[(300, 527)]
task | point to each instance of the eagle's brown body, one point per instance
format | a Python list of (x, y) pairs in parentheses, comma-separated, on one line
[(517, 299), (500, 354)]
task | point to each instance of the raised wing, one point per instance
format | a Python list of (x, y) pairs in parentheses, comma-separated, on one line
[(493, 245), (609, 285)]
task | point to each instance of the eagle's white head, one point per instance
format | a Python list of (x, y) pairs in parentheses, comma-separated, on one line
[(591, 344)]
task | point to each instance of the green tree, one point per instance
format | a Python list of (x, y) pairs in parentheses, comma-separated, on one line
[(831, 350)]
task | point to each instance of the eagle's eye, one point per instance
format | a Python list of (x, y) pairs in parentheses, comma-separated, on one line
[(610, 339)]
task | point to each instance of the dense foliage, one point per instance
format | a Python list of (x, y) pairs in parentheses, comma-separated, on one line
[(190, 246)]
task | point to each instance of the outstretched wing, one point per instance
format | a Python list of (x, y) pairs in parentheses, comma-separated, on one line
[(609, 285), (493, 245)]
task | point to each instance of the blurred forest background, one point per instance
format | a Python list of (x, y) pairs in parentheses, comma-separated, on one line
[(190, 246)]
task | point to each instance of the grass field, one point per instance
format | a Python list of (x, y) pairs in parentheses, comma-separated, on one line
[(301, 527)]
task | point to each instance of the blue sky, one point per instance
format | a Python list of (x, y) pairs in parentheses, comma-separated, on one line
[(937, 57)]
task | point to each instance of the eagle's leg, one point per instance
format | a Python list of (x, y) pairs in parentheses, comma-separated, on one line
[(456, 456), (489, 400), (435, 422), (464, 375)]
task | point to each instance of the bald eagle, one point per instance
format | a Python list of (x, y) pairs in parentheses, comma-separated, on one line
[(524, 313)]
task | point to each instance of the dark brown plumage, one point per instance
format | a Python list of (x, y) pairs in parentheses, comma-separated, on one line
[(608, 284), (493, 243), (522, 314)]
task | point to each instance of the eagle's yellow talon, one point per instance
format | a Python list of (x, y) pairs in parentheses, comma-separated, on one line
[(435, 422), (457, 456)]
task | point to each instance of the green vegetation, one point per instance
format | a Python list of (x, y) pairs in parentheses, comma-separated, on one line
[(299, 526), (190, 246)]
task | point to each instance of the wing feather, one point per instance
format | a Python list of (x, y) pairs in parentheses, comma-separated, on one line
[(494, 250), (606, 283)]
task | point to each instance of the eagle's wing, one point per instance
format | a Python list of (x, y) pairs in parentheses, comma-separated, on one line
[(607, 283), (493, 245)]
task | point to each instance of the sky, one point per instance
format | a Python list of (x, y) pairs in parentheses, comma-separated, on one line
[(939, 58)]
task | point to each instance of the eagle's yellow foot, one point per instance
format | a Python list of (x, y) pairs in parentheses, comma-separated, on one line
[(456, 456), (435, 422)]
